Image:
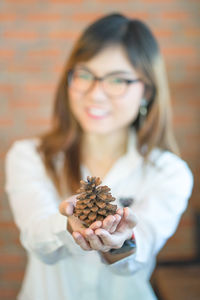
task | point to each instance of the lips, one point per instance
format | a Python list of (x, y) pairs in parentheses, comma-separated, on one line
[(97, 113)]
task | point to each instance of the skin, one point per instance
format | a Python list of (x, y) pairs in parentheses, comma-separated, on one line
[(100, 236), (101, 138)]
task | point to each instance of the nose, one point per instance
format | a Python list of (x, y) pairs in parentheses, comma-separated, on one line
[(97, 93)]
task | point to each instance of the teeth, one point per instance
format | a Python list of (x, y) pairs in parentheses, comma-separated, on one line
[(97, 112)]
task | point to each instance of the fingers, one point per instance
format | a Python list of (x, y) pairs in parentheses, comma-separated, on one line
[(120, 212), (96, 225), (66, 207), (89, 241), (111, 222), (108, 222), (115, 223), (130, 217), (113, 241), (79, 239), (94, 241), (74, 224), (128, 221)]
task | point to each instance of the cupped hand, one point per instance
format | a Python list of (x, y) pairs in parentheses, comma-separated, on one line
[(111, 233), (101, 235), (66, 208), (74, 224), (114, 230)]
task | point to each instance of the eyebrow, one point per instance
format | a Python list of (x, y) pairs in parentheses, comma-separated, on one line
[(110, 73), (119, 72)]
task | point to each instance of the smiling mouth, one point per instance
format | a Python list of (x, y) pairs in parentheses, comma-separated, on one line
[(97, 113)]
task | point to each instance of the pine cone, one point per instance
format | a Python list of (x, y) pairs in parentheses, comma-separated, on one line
[(93, 202)]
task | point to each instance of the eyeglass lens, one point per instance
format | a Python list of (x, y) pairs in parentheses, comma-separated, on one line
[(83, 81)]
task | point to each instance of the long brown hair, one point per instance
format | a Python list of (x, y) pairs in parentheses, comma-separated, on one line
[(144, 54)]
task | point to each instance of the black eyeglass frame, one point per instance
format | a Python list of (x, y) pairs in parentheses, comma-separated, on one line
[(97, 78)]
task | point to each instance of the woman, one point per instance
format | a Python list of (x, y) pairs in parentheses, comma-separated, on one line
[(111, 119)]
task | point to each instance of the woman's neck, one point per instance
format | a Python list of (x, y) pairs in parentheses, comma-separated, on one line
[(104, 147)]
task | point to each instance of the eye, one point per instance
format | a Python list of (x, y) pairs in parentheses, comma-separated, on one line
[(116, 80), (83, 75)]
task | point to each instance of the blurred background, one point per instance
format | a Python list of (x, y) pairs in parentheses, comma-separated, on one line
[(35, 40)]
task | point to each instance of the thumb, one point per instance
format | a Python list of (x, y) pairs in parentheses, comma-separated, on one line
[(130, 217), (66, 207)]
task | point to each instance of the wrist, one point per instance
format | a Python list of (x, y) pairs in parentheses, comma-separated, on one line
[(128, 245)]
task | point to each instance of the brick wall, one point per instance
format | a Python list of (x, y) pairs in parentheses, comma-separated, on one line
[(35, 39)]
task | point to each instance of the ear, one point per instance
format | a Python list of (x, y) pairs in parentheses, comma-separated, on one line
[(148, 92)]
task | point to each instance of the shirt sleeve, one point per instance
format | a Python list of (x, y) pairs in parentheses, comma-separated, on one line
[(34, 202), (163, 200)]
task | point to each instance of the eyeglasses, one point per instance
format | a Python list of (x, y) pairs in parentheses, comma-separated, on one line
[(83, 80)]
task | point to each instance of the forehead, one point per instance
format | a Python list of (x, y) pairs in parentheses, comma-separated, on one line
[(112, 58)]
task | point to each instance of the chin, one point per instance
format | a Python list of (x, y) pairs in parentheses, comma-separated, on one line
[(97, 130)]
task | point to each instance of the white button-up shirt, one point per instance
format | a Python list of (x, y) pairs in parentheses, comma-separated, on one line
[(57, 267)]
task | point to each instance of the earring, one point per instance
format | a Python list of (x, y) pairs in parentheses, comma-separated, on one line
[(142, 111)]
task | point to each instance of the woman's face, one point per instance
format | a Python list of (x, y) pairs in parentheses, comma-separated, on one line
[(98, 112)]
